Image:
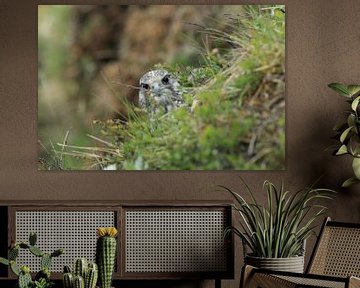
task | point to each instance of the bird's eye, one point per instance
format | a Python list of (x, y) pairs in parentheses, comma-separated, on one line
[(165, 80), (145, 86)]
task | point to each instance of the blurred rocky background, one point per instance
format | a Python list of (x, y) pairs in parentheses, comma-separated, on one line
[(87, 53)]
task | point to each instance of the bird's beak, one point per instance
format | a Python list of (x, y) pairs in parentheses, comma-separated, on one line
[(155, 88)]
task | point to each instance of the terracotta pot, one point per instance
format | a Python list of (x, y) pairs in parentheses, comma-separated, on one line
[(291, 264)]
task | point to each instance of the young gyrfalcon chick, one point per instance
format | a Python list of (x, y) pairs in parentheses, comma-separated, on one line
[(159, 92)]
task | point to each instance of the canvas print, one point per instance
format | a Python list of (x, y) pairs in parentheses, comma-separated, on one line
[(161, 87)]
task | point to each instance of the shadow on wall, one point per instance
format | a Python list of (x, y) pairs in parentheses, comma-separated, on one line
[(312, 160), (330, 56), (329, 170)]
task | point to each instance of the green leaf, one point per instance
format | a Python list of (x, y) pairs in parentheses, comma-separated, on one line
[(351, 120), (340, 88), (353, 89), (342, 150), (345, 134), (355, 103), (4, 261), (356, 167), (14, 268), (349, 182), (354, 145)]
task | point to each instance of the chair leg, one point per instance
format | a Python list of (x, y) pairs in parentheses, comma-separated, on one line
[(246, 274), (354, 282), (250, 278), (217, 283)]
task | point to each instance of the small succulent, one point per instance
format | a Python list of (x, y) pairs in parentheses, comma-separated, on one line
[(43, 283), (42, 278), (349, 132)]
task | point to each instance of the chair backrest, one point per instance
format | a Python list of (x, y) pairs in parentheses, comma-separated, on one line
[(337, 251)]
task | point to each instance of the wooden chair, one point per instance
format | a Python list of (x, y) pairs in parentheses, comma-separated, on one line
[(334, 263)]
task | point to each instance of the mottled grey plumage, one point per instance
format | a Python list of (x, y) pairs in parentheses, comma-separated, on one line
[(159, 92)]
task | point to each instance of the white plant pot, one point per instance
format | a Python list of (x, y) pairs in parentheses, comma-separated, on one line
[(291, 264)]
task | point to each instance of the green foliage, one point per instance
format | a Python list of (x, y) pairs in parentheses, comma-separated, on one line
[(345, 90), (43, 283), (348, 132), (43, 274), (56, 57), (234, 117), (4, 261), (42, 278), (279, 229)]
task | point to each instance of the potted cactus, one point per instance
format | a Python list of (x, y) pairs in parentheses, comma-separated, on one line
[(84, 275), (106, 254), (42, 278)]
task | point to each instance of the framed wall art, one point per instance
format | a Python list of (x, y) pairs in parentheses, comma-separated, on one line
[(161, 87)]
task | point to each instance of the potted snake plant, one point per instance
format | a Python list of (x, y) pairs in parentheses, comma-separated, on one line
[(348, 132), (274, 234)]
